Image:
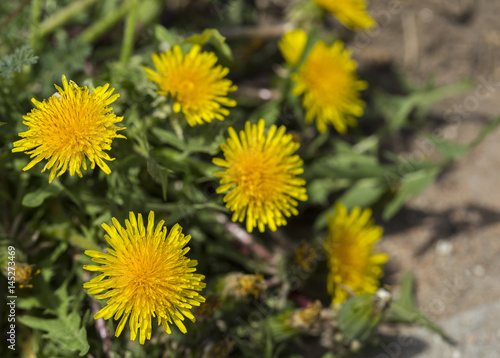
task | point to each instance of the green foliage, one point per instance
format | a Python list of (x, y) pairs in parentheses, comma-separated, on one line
[(61, 320), (397, 109), (22, 56), (166, 166), (214, 38), (404, 309), (37, 197), (358, 318)]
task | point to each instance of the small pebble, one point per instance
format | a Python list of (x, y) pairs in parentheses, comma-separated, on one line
[(444, 247), (265, 94)]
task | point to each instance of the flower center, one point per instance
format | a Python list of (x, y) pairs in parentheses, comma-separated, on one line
[(143, 273), (326, 77), (354, 260), (189, 88), (256, 176), (77, 126)]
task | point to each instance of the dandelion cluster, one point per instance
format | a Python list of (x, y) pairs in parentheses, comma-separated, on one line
[(144, 272)]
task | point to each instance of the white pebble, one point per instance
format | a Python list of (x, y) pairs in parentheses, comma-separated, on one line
[(444, 247)]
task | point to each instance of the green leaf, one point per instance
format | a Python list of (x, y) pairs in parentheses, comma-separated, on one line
[(66, 331), (64, 231), (269, 112), (328, 355), (312, 149), (194, 144), (208, 145), (447, 149), (364, 192), (318, 190), (169, 138), (37, 197), (164, 35), (358, 318), (411, 185), (160, 175), (280, 328), (213, 37), (404, 310), (396, 109), (345, 165), (485, 131), (22, 56)]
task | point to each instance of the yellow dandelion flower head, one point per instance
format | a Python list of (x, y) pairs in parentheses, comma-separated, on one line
[(74, 124), (354, 266), (351, 13), (292, 46), (260, 176), (145, 274), (328, 82), (197, 86)]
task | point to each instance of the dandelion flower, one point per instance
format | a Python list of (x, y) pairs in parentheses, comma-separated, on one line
[(195, 83), (351, 13), (74, 124), (328, 82), (260, 176), (145, 274), (354, 266), (292, 46)]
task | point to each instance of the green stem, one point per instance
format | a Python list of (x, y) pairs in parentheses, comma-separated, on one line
[(101, 26), (128, 38), (35, 22), (63, 16), (176, 125)]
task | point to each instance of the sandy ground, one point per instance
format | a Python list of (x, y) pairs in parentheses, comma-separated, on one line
[(449, 236)]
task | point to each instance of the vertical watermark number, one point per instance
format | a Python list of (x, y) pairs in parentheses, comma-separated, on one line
[(11, 296)]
